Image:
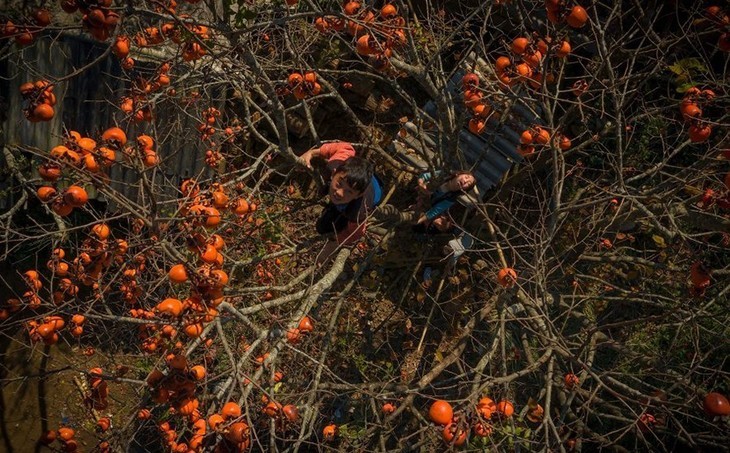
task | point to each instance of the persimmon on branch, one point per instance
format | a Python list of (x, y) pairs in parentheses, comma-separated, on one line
[(585, 316)]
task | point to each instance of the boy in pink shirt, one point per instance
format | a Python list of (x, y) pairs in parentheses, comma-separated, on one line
[(354, 192)]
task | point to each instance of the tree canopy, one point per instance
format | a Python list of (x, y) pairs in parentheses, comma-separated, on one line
[(161, 262)]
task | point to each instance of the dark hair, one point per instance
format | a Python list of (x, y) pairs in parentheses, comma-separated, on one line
[(358, 173)]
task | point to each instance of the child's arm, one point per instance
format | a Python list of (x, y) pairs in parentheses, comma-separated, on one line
[(331, 151), (437, 209)]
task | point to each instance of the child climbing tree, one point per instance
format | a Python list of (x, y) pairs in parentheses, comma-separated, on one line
[(160, 290)]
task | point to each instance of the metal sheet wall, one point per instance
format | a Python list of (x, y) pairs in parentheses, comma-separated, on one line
[(88, 103)]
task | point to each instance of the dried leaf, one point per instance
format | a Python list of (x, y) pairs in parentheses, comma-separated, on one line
[(439, 356), (659, 241)]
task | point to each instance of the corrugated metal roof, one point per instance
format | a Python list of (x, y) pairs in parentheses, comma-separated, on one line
[(87, 103), (491, 153)]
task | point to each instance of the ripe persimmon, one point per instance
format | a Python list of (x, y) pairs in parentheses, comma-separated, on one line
[(472, 98), (476, 125), (43, 112), (321, 24), (62, 208), (535, 414), (178, 273), (532, 59), (291, 412), (716, 404), (66, 433), (507, 277), (486, 407), (502, 63), (526, 137), (46, 193), (293, 336), (198, 372), (351, 8), (305, 325), (454, 434), (699, 133), (176, 361), (571, 380), (563, 50), (212, 217), (208, 254), (237, 432), (220, 199), (564, 142), (121, 47), (577, 17), (481, 110), (482, 429), (49, 172), (101, 230), (86, 144), (145, 141), (170, 306), (441, 412), (150, 158), (519, 45), (690, 110), (215, 421), (523, 71), (388, 11), (75, 196), (470, 81), (231, 410), (505, 408), (272, 409), (329, 432), (217, 241), (193, 330), (646, 422), (541, 136), (115, 135), (48, 437)]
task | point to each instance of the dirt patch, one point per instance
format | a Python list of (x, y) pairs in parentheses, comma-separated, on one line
[(40, 392)]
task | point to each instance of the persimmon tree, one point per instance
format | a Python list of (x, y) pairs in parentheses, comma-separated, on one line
[(172, 223)]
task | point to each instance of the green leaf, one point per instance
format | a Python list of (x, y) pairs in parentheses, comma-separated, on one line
[(684, 87), (687, 65)]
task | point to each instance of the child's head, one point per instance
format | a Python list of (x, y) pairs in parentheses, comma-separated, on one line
[(350, 180), (461, 181)]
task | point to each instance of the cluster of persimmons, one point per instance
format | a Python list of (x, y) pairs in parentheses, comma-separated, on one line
[(376, 32), (25, 31)]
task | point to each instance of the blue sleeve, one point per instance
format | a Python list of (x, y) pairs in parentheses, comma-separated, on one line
[(439, 208), (427, 175)]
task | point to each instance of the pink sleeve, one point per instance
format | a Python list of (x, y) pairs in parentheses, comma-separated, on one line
[(337, 151)]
